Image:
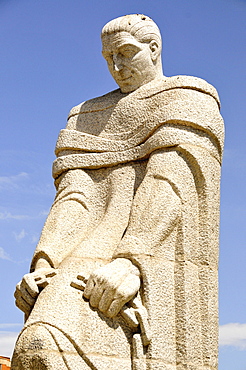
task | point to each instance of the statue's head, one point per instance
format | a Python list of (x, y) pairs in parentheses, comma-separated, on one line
[(131, 46)]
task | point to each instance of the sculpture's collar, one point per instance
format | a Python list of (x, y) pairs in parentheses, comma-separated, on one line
[(168, 83)]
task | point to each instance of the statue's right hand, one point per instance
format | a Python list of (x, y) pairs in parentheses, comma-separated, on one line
[(30, 286)]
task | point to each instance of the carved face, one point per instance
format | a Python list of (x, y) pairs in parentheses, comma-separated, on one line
[(130, 62)]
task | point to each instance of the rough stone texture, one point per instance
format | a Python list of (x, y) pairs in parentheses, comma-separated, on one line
[(136, 213)]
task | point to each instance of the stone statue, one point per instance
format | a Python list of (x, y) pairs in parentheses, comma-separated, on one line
[(125, 273)]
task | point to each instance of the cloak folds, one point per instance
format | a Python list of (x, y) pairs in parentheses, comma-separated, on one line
[(156, 152), (181, 110)]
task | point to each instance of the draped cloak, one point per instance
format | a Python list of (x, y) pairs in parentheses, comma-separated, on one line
[(156, 154)]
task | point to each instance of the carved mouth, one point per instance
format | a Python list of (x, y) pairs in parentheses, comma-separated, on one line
[(123, 79)]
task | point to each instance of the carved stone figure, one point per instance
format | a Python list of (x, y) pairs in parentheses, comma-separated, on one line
[(125, 273)]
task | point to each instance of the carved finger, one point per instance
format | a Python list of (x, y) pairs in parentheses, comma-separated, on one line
[(17, 293), (96, 294), (23, 305), (124, 293), (27, 297), (89, 288), (106, 300), (22, 293), (115, 307), (17, 289), (28, 283)]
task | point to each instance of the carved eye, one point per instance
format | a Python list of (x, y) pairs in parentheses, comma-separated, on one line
[(128, 51)]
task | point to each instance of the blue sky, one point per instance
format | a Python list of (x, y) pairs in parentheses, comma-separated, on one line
[(50, 61)]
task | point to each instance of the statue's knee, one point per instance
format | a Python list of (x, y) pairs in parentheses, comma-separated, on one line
[(33, 348), (36, 337)]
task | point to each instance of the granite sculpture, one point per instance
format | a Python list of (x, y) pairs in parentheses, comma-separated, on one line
[(125, 273)]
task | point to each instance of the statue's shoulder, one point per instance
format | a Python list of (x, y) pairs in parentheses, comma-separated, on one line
[(96, 104), (190, 82)]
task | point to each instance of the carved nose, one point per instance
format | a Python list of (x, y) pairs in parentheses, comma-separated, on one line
[(117, 63)]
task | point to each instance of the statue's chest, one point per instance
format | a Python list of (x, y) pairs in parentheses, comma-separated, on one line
[(118, 121)]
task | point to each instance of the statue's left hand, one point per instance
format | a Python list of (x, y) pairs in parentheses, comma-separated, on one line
[(30, 286), (111, 286)]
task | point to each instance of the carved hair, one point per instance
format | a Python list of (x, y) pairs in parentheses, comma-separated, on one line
[(140, 26)]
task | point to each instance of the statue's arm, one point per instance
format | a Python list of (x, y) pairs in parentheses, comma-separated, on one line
[(69, 218), (66, 224), (31, 284), (155, 211)]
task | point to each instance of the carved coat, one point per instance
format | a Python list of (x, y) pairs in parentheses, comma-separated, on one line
[(137, 176)]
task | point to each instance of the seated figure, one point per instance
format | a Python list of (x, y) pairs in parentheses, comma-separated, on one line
[(125, 273)]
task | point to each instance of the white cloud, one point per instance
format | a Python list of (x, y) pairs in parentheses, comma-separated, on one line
[(4, 255), (7, 342), (34, 239), (233, 334), (11, 182), (44, 213), (8, 215), (20, 236)]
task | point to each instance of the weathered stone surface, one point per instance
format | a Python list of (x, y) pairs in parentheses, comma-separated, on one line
[(125, 272)]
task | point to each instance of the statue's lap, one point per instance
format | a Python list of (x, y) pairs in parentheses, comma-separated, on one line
[(63, 307)]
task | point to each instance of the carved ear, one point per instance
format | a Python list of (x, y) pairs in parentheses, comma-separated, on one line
[(155, 50)]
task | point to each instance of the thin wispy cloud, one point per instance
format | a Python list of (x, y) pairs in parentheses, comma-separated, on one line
[(47, 189), (8, 215), (233, 334), (4, 255), (21, 235), (19, 182), (34, 238), (44, 213), (12, 182)]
